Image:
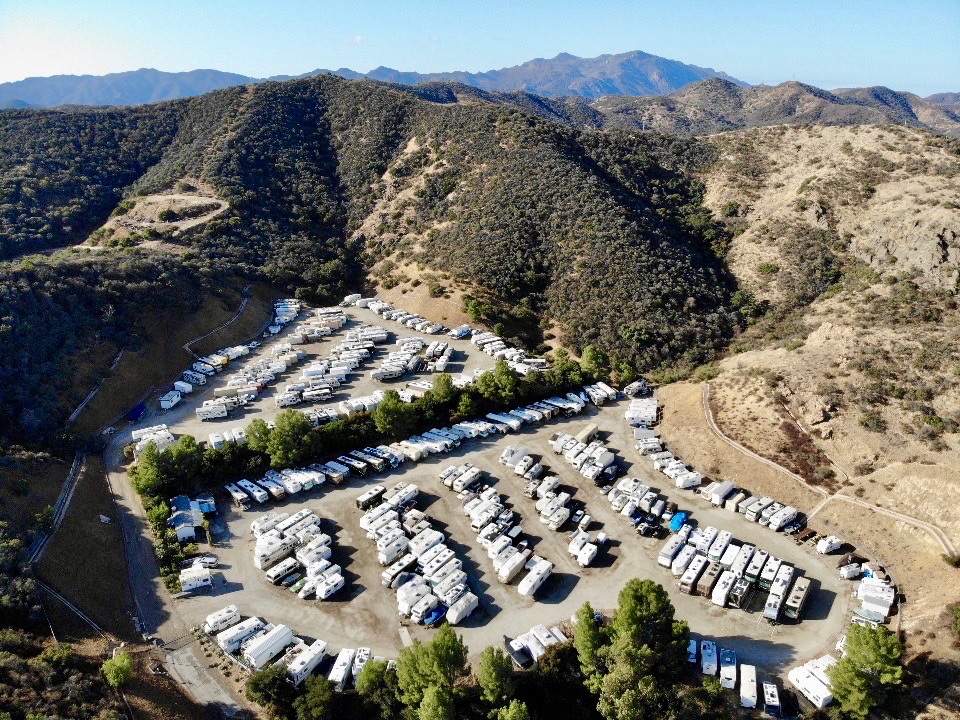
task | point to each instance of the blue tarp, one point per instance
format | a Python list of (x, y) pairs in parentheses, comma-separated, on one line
[(137, 413)]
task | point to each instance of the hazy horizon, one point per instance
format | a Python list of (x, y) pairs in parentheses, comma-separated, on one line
[(818, 42)]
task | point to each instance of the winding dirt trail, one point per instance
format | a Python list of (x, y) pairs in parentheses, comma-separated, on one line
[(936, 533)]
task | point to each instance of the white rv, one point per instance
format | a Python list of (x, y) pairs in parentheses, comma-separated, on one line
[(221, 619)]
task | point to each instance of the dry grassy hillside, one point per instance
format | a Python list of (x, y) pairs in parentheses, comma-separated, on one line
[(849, 241), (888, 196), (852, 235)]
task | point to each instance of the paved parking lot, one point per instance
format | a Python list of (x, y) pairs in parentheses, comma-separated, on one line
[(365, 614), (182, 419)]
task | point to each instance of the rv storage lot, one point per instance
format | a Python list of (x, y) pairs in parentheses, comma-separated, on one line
[(365, 614), (182, 419)]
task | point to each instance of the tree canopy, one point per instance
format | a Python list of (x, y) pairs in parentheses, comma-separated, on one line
[(863, 679)]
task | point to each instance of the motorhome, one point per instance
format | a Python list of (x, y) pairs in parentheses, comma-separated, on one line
[(721, 591), (759, 559), (740, 593), (728, 669), (719, 546), (240, 498), (781, 582), (709, 579), (769, 572), (797, 598), (688, 581), (771, 699), (221, 619), (257, 493)]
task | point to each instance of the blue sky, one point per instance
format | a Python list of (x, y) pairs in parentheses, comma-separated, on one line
[(907, 45)]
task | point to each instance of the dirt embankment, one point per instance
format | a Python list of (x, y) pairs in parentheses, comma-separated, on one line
[(161, 357)]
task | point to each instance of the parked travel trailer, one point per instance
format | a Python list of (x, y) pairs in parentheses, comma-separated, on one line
[(306, 661), (259, 653), (195, 578), (538, 575), (754, 511), (512, 567), (748, 686), (462, 608), (812, 681), (211, 412), (230, 640), (721, 492), (670, 550), (783, 516), (829, 544)]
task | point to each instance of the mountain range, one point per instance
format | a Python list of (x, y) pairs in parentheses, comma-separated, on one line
[(631, 73)]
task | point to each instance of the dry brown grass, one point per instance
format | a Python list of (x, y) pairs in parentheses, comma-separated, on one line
[(85, 560), (685, 429)]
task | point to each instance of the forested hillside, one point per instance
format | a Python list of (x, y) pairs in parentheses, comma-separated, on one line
[(601, 234)]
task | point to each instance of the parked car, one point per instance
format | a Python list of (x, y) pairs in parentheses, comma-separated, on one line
[(645, 530), (207, 560), (796, 525)]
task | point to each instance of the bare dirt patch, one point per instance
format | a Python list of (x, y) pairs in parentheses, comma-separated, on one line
[(414, 294), (157, 695), (171, 212), (745, 409)]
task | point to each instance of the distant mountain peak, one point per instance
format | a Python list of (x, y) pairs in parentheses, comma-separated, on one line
[(630, 73)]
